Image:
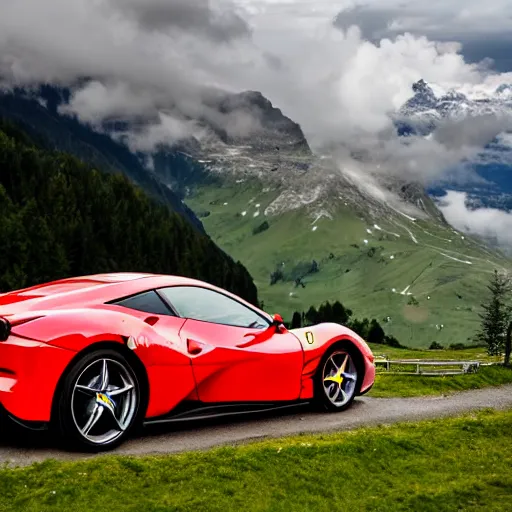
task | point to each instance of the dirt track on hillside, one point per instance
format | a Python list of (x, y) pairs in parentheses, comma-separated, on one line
[(365, 411)]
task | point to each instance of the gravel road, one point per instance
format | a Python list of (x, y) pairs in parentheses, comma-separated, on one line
[(28, 448)]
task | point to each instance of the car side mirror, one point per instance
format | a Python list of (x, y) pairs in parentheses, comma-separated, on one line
[(278, 323)]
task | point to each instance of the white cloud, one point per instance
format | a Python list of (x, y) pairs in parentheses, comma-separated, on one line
[(485, 222), (438, 19), (155, 58)]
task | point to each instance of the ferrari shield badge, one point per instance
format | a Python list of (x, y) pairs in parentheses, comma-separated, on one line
[(105, 401), (310, 338)]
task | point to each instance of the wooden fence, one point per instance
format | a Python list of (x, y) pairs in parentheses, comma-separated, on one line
[(429, 367)]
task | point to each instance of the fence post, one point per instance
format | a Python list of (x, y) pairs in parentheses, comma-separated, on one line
[(508, 345)]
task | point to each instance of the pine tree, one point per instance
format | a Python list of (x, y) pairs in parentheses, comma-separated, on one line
[(312, 316), (375, 333), (508, 345), (340, 314), (296, 320), (496, 315)]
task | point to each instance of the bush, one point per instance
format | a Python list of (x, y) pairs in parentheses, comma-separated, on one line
[(436, 346), (458, 346), (259, 229)]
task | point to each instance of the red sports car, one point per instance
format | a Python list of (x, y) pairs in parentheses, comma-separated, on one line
[(93, 357)]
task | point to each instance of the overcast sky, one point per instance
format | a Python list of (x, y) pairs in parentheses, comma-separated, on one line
[(483, 27), (337, 68)]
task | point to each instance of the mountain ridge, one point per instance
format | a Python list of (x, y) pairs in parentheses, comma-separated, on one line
[(309, 229), (487, 181)]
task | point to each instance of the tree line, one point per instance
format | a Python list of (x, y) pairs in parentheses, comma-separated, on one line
[(60, 217), (370, 330), (496, 317)]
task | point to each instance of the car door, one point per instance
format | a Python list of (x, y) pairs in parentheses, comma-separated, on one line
[(170, 368), (237, 355)]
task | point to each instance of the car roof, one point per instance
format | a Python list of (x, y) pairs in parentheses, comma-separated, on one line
[(86, 291)]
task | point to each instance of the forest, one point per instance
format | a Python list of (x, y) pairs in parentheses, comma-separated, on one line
[(60, 217)]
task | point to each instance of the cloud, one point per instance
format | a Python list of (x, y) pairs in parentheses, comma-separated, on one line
[(473, 131), (490, 223), (483, 28), (166, 128), (218, 22), (164, 61)]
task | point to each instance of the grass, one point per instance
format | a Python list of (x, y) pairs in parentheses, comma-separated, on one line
[(388, 386), (453, 464), (467, 354), (363, 276)]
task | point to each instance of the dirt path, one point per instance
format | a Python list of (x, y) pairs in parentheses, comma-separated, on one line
[(364, 412)]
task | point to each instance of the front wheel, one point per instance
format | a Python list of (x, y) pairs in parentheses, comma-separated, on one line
[(99, 401), (337, 379)]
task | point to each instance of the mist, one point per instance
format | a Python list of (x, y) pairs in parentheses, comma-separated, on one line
[(162, 60), (490, 223)]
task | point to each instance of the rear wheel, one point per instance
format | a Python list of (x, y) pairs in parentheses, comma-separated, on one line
[(337, 379), (99, 401)]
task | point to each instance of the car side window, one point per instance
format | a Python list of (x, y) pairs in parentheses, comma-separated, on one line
[(148, 302), (206, 305)]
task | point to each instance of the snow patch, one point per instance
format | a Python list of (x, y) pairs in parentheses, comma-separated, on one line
[(412, 219), (244, 214), (369, 231), (405, 291), (413, 238), (378, 228), (314, 228), (256, 214), (290, 200), (456, 259), (320, 214)]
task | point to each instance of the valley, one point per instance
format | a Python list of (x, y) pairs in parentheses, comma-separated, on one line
[(376, 274), (308, 229)]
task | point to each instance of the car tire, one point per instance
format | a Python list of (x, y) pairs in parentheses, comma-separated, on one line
[(327, 394), (99, 402)]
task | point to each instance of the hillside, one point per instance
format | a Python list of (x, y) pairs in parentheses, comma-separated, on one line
[(59, 217), (307, 230), (37, 112), (310, 232)]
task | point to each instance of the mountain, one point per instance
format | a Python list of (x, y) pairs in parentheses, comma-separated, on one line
[(430, 105), (309, 231), (487, 181), (59, 217), (37, 112)]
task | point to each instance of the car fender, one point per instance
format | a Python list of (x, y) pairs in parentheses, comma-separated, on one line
[(318, 339)]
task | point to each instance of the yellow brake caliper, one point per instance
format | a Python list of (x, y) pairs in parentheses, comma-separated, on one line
[(337, 378)]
